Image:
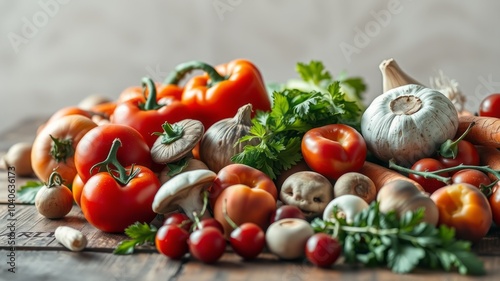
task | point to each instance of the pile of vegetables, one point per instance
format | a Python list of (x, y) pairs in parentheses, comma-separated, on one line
[(306, 171)]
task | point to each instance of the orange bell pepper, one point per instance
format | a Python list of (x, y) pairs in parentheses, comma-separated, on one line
[(221, 91)]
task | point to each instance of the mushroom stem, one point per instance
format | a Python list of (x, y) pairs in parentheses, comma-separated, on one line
[(193, 203)]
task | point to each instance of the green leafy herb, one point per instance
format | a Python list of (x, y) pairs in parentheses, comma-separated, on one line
[(401, 244), (140, 234), (293, 113), (315, 77), (28, 191)]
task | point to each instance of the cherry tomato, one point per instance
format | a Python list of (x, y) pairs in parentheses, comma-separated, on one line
[(112, 207), (490, 106), (465, 208), (206, 222), (467, 154), (207, 244), (98, 141), (471, 176), (322, 249), (171, 241), (247, 240), (334, 150), (428, 164), (179, 219)]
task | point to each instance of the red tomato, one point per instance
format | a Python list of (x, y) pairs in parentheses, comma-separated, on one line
[(322, 249), (428, 164), (112, 207), (471, 176), (171, 240), (465, 208), (94, 147), (207, 244), (248, 240), (334, 150), (467, 154), (490, 106)]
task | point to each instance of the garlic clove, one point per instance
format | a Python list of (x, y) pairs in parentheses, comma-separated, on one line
[(393, 76), (71, 238)]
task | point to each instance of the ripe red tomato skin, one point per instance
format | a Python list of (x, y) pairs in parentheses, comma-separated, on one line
[(490, 106), (467, 155), (322, 250), (110, 207), (333, 150), (248, 240), (471, 176), (171, 241), (179, 219), (464, 207), (99, 140), (207, 244), (428, 164)]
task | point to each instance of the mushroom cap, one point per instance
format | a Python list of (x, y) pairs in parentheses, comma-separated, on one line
[(171, 152), (308, 190), (182, 190)]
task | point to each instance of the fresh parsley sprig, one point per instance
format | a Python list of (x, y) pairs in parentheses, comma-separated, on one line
[(279, 132), (140, 234), (401, 244)]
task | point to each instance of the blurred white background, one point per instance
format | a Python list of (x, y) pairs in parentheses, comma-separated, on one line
[(55, 52)]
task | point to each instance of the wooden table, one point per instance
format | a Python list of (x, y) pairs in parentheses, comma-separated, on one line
[(37, 256)]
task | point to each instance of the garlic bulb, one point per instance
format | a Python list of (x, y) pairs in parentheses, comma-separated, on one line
[(449, 88), (219, 143), (393, 76), (408, 123)]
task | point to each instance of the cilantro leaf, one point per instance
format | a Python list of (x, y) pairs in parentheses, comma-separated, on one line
[(27, 192), (140, 234)]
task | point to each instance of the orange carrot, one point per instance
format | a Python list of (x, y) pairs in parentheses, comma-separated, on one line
[(486, 130), (489, 156), (381, 175)]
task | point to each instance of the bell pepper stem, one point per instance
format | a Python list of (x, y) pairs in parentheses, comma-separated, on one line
[(449, 148), (151, 103), (171, 133), (120, 173), (54, 180), (183, 69)]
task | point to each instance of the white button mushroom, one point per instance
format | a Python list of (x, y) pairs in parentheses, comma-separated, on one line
[(287, 238), (348, 206), (309, 191), (183, 191)]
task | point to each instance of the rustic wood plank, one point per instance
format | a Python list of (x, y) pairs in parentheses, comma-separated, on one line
[(230, 267), (33, 231), (68, 266)]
